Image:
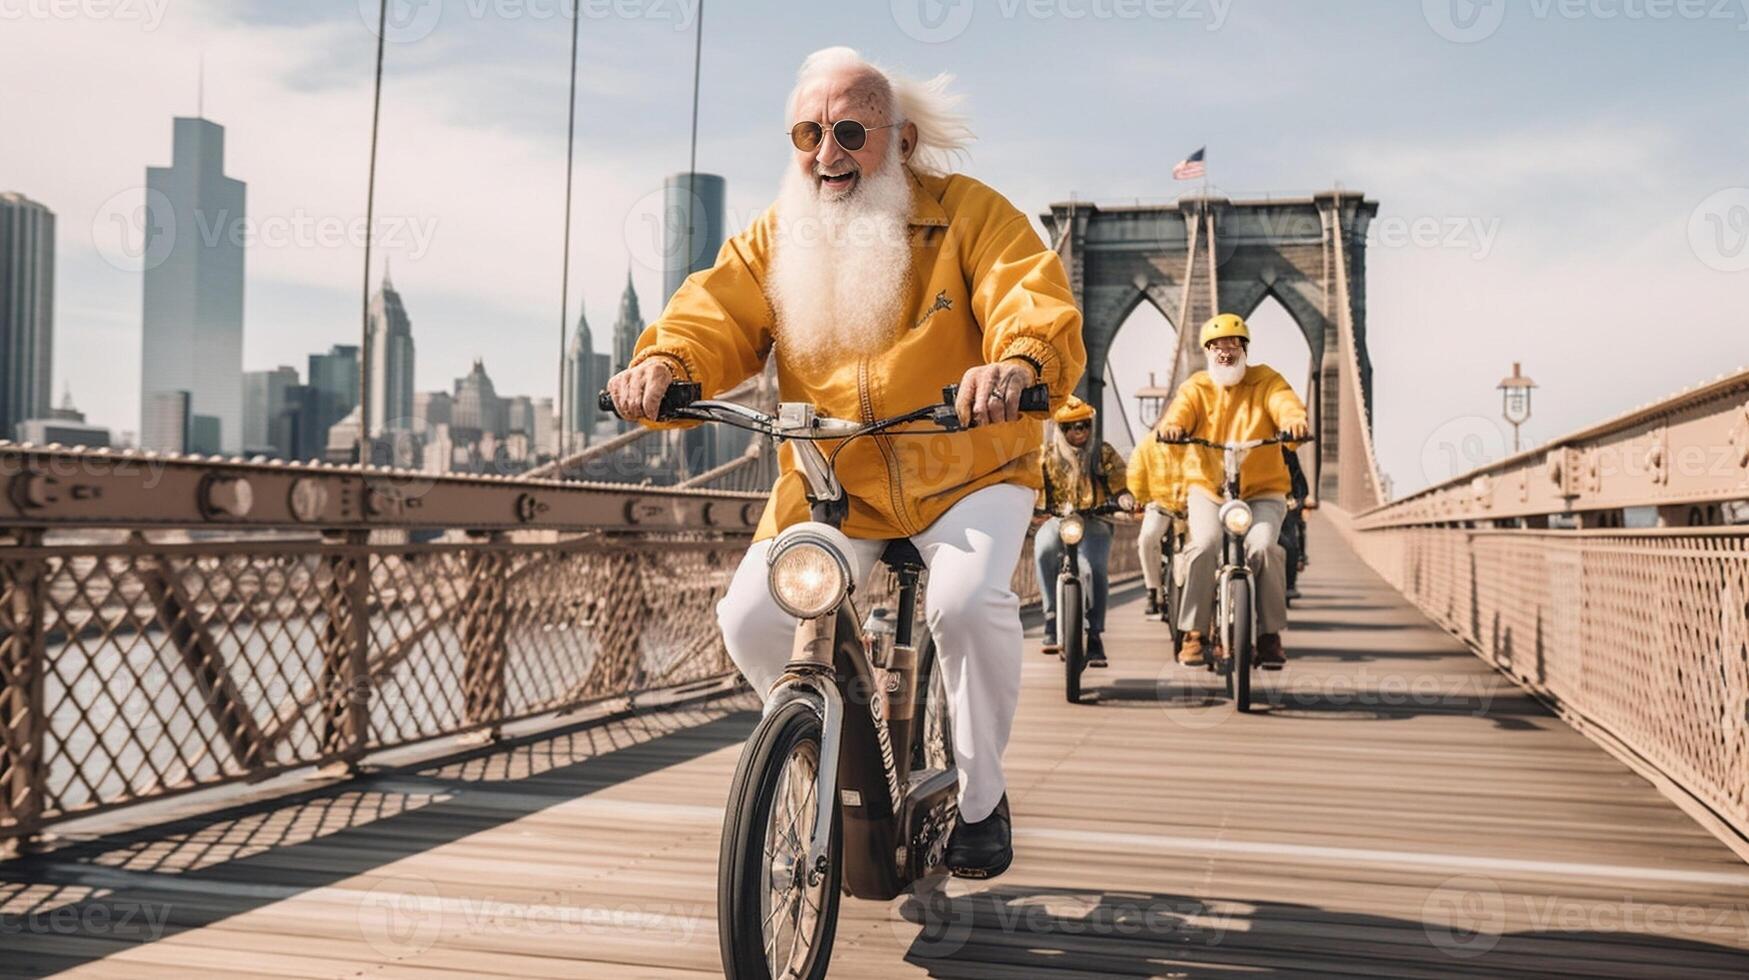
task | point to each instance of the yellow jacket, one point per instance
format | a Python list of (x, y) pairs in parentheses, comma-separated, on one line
[(1156, 474), (1085, 493), (984, 289), (1259, 406)]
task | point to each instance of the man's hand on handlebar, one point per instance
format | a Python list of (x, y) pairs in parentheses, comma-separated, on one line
[(990, 393), (637, 391), (1127, 501), (1172, 433), (1297, 430)]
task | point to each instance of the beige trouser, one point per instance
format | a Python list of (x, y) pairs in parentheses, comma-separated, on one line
[(1266, 558), (1155, 521)]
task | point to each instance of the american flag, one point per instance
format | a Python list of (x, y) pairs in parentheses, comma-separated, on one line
[(1190, 168)]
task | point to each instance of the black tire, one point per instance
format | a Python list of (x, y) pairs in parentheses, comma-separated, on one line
[(1169, 599), (743, 869), (1239, 632), (928, 752), (1070, 633)]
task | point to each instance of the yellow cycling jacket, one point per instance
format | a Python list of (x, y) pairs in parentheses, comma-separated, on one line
[(1259, 406), (984, 288), (1156, 474)]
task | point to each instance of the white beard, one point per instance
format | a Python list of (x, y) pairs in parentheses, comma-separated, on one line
[(839, 279), (1228, 375)]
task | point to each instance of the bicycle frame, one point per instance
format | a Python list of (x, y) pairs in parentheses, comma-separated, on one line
[(893, 827)]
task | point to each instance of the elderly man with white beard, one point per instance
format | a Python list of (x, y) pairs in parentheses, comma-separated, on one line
[(1234, 401), (876, 279)]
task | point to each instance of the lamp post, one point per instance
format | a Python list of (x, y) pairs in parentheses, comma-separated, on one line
[(1151, 401), (1515, 400)]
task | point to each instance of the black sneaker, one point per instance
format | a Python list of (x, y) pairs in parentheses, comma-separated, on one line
[(1051, 644), (1153, 606), (983, 849), (1096, 652)]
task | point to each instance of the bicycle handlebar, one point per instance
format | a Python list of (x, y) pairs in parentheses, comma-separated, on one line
[(1246, 444), (681, 395)]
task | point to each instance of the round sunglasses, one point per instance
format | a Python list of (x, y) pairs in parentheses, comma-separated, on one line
[(847, 133)]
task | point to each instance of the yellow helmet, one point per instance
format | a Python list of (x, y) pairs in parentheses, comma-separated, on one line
[(1225, 325), (1073, 410)]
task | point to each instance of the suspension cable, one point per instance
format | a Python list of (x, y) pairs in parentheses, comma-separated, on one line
[(566, 409), (692, 154), (370, 200)]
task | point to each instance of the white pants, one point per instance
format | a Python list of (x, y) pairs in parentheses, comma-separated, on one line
[(1266, 558), (1155, 521), (971, 552)]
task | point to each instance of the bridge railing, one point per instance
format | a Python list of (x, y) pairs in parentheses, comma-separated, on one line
[(172, 623), (1638, 636)]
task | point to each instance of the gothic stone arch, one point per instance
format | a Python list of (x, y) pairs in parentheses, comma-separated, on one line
[(1201, 256)]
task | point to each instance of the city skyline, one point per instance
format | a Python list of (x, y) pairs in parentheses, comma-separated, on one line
[(1482, 195)]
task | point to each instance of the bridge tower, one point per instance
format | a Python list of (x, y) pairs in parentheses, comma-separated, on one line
[(1203, 255)]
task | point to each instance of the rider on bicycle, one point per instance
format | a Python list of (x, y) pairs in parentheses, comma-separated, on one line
[(1080, 478), (1234, 402), (876, 279), (1156, 476)]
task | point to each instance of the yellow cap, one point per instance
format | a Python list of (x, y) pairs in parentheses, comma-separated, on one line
[(1225, 325), (1073, 410)]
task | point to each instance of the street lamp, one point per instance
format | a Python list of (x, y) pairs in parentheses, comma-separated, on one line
[(1515, 400), (1152, 400)]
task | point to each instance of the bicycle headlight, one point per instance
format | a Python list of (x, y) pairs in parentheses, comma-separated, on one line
[(810, 569), (1071, 529), (1236, 516)]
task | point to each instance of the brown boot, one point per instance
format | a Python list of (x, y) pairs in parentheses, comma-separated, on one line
[(1270, 655), (1190, 649)]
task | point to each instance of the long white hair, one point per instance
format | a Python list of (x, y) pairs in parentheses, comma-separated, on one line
[(929, 104)]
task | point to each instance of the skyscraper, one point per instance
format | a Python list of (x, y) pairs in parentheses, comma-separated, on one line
[(166, 422), (478, 409), (333, 392), (391, 362), (266, 394), (586, 373), (192, 322), (27, 318), (692, 224), (627, 326)]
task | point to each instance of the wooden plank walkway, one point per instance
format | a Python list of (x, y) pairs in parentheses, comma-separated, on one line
[(1403, 812)]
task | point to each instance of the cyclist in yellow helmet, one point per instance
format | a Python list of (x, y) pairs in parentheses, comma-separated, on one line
[(1083, 477), (1234, 401)]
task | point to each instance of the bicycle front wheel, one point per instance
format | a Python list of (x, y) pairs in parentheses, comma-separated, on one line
[(775, 916)]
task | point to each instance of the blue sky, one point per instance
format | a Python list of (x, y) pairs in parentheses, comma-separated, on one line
[(1582, 147)]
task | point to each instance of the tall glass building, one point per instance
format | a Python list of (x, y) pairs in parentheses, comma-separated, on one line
[(192, 323)]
